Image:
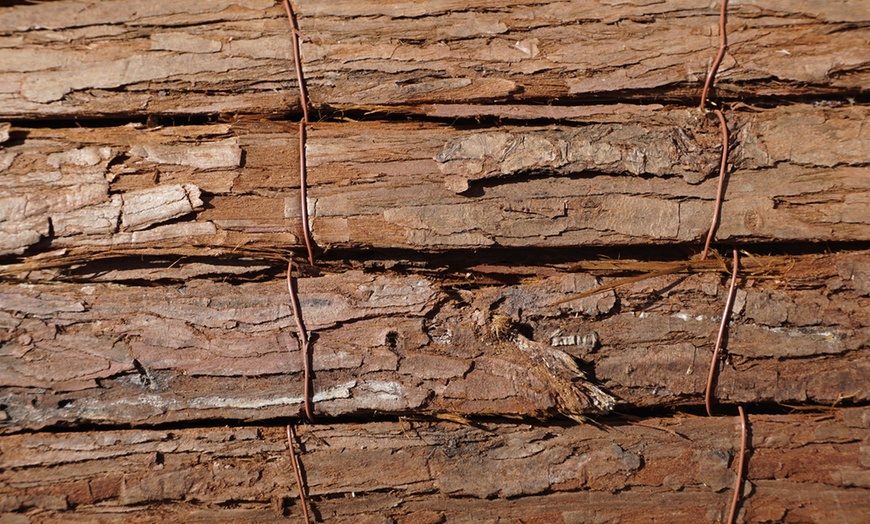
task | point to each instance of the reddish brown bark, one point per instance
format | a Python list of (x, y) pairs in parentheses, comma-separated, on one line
[(415, 186), (459, 180), (74, 59), (198, 350), (805, 467)]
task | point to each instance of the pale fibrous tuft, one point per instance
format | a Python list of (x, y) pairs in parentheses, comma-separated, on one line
[(501, 326)]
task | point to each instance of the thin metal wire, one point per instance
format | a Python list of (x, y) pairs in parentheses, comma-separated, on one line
[(304, 345), (723, 46), (720, 190), (708, 393), (714, 223), (741, 460), (297, 59), (303, 101), (303, 194), (297, 470)]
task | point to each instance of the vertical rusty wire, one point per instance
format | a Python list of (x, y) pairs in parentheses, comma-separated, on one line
[(304, 345), (741, 462), (714, 224), (720, 189), (297, 470), (304, 339), (303, 101), (723, 47), (711, 379), (708, 83), (726, 314)]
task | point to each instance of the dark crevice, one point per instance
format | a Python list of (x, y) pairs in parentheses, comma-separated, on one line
[(827, 97), (443, 264), (625, 415), (102, 121)]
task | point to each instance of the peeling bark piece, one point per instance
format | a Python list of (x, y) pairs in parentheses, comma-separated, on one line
[(142, 209), (180, 234), (17, 236), (623, 149), (91, 220), (85, 156), (74, 193), (223, 154), (6, 160)]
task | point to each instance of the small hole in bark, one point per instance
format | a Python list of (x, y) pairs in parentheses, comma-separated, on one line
[(391, 339), (65, 403), (525, 330)]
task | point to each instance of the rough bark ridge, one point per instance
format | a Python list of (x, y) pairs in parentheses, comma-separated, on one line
[(473, 166)]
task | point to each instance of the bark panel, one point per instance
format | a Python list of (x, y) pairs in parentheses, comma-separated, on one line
[(628, 179), (805, 468), (108, 353), (83, 59)]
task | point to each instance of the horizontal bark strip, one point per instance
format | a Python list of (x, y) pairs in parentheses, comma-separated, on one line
[(630, 178), (74, 59), (804, 468), (105, 353)]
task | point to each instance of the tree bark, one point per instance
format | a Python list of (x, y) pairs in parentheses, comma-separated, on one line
[(197, 349), (475, 171), (808, 467), (85, 59), (633, 178)]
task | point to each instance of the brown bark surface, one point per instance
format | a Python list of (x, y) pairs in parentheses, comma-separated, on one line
[(472, 168), (629, 178), (140, 57), (106, 353), (809, 467)]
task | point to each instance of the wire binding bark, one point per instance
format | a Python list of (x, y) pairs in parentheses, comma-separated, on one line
[(303, 101), (304, 345), (708, 391), (741, 462), (297, 471), (723, 46), (720, 189)]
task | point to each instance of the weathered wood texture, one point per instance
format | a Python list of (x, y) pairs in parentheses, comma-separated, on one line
[(139, 57), (804, 468), (94, 336), (623, 178), (103, 353)]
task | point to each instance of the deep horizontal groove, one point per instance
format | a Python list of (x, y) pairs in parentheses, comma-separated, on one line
[(446, 263), (400, 113), (118, 120), (625, 416), (566, 255)]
